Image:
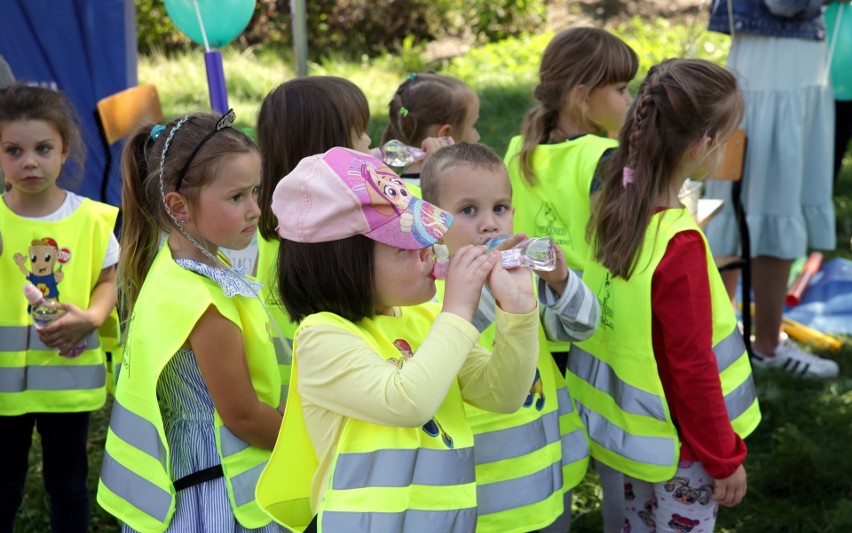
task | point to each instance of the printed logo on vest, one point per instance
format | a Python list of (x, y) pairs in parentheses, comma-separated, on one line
[(43, 255), (432, 428), (607, 303), (546, 223)]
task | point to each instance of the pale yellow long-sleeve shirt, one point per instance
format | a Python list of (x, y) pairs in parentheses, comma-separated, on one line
[(341, 377)]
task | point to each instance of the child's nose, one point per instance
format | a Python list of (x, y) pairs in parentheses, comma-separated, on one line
[(426, 253)]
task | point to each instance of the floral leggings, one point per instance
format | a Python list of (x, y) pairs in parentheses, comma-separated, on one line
[(679, 505)]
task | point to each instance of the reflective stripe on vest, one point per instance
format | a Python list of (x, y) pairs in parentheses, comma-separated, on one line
[(634, 400), (654, 450), (137, 432), (146, 496), (403, 467), (20, 338), (455, 521), (52, 378), (243, 483)]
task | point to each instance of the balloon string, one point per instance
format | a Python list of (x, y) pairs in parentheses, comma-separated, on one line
[(833, 44), (201, 25)]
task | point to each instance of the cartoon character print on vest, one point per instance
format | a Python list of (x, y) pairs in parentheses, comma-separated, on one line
[(626, 528), (432, 428), (537, 388), (43, 255), (646, 515), (607, 303), (545, 224), (629, 495), (682, 523), (683, 493)]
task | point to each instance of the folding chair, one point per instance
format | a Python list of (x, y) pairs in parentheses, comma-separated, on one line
[(731, 169), (119, 114)]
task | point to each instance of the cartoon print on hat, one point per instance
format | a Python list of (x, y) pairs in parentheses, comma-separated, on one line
[(395, 217)]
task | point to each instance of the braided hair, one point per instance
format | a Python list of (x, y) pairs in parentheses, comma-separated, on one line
[(680, 102)]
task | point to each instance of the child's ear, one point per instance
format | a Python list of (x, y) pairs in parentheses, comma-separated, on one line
[(701, 148), (178, 205), (579, 96), (444, 130)]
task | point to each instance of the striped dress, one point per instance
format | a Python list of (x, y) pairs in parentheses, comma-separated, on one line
[(187, 411)]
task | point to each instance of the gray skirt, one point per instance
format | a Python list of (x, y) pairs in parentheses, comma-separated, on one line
[(789, 122)]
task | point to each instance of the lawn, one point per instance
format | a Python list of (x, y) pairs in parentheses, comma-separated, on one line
[(799, 465)]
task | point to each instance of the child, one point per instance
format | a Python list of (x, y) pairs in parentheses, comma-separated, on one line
[(676, 433), (527, 462), (64, 244), (375, 437), (582, 93), (195, 416), (301, 117), (431, 111)]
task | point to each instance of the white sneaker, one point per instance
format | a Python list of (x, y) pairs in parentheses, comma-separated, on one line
[(788, 356)]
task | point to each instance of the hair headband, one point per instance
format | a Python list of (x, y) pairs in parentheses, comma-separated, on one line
[(225, 122)]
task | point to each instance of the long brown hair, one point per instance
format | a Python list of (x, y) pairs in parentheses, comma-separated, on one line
[(142, 194), (426, 100), (577, 56), (19, 102), (680, 102), (300, 118)]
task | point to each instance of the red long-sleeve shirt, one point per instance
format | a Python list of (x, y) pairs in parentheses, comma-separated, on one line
[(682, 338)]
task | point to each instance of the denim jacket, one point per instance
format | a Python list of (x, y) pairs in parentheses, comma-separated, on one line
[(800, 19)]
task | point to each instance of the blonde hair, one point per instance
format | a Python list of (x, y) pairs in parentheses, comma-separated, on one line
[(578, 56)]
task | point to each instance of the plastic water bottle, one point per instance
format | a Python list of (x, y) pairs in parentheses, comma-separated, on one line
[(398, 154), (45, 311), (536, 253)]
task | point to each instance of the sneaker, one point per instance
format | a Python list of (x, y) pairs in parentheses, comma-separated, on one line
[(788, 356)]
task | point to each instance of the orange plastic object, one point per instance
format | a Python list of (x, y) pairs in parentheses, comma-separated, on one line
[(794, 295)]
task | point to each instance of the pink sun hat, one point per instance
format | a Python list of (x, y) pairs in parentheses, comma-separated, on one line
[(342, 193)]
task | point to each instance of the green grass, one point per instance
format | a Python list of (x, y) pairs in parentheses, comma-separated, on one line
[(799, 465)]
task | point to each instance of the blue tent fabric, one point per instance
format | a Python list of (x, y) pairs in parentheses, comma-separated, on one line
[(85, 48), (826, 304)]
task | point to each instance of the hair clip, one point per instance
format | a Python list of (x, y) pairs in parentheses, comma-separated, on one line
[(403, 111), (411, 76), (227, 120), (156, 131), (628, 177)]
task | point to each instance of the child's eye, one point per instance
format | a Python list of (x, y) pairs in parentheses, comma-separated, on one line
[(469, 210), (501, 208), (13, 150), (255, 192), (43, 148), (237, 197)]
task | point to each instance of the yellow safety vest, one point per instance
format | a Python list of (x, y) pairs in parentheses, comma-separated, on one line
[(527, 460), (613, 375), (558, 204), (267, 259), (136, 476), (383, 478), (68, 261)]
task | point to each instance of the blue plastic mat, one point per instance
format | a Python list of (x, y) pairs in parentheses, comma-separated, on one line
[(827, 302)]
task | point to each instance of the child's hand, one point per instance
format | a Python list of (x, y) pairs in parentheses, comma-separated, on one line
[(731, 490), (67, 331), (432, 144), (468, 268), (510, 242), (558, 277), (513, 289)]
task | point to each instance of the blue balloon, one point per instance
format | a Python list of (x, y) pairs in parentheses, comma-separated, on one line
[(841, 61), (224, 20)]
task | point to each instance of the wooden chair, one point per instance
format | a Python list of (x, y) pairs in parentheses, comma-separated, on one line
[(731, 169), (119, 114)]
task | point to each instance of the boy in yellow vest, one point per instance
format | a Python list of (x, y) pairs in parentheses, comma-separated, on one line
[(527, 462)]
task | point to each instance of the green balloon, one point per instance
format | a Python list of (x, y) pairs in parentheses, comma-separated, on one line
[(224, 20), (841, 61)]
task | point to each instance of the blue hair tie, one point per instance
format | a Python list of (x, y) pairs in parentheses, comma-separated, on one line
[(156, 131)]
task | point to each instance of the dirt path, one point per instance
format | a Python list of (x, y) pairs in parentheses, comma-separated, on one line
[(565, 13)]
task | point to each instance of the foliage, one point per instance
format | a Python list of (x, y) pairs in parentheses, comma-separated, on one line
[(356, 27)]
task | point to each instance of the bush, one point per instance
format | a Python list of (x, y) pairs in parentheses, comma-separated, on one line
[(356, 27)]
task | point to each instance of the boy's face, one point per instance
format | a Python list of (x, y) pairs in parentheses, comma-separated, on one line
[(480, 199)]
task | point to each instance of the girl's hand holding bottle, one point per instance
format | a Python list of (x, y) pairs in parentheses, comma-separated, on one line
[(68, 331), (466, 274)]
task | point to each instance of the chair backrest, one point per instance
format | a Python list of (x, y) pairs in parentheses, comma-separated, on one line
[(123, 112), (731, 167)]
